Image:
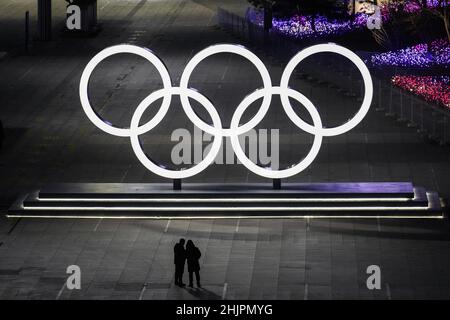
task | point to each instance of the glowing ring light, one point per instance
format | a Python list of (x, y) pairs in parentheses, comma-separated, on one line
[(226, 48), (268, 173), (102, 55), (174, 174), (235, 128), (368, 92)]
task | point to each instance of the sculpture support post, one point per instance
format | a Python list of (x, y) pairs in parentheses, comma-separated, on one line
[(276, 184), (176, 184)]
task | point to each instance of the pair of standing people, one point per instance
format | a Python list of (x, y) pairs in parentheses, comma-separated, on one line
[(191, 254)]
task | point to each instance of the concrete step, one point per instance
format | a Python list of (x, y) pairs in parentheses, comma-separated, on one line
[(226, 190), (226, 200)]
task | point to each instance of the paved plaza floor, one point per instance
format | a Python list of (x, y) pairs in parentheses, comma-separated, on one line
[(49, 139)]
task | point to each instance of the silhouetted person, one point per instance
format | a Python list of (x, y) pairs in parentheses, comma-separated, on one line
[(193, 254), (179, 260)]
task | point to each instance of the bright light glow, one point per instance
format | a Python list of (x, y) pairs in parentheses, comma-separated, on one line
[(155, 168), (422, 55), (435, 89), (268, 172), (299, 26), (238, 200), (230, 209), (235, 128), (235, 49), (102, 55), (226, 217), (368, 89)]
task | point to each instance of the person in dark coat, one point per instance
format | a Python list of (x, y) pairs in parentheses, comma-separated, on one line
[(179, 260), (193, 254)]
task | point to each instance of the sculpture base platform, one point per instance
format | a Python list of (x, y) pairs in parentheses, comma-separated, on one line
[(203, 201)]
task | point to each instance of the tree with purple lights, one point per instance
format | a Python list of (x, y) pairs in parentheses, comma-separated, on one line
[(435, 54), (326, 8), (312, 9)]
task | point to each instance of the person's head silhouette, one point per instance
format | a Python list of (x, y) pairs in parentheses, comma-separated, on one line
[(182, 241), (190, 244)]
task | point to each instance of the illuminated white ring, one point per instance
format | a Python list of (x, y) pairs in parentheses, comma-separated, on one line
[(135, 132), (226, 48), (235, 130), (368, 89), (268, 173), (102, 55)]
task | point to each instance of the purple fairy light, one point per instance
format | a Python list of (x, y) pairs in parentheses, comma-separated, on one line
[(421, 55), (299, 26)]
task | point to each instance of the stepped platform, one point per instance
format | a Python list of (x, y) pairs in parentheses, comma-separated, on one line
[(200, 200)]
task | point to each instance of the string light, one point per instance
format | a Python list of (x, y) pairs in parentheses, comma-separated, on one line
[(435, 89), (421, 55), (299, 26)]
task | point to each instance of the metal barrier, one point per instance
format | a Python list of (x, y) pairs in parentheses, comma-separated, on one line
[(430, 120)]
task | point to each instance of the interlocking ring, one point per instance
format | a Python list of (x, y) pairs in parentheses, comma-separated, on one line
[(368, 89), (135, 132), (236, 128), (102, 55), (269, 173), (226, 48)]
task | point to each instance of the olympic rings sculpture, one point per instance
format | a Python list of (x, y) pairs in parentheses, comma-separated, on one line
[(216, 129)]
